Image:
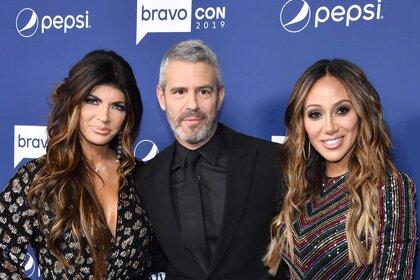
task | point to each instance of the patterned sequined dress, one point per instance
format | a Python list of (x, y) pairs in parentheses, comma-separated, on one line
[(320, 241), (129, 256)]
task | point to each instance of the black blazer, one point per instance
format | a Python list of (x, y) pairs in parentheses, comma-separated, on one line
[(253, 194)]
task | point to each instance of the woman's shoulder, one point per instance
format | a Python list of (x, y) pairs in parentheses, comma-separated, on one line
[(398, 179), (35, 164), (32, 167), (398, 186), (26, 173), (16, 190)]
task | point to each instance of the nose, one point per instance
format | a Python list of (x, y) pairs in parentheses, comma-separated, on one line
[(330, 125), (192, 103), (103, 114)]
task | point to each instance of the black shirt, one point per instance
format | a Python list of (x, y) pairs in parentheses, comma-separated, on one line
[(211, 169)]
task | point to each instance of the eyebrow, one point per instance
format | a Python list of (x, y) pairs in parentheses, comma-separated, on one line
[(335, 104), (94, 96), (197, 88), (176, 89), (210, 87), (100, 100)]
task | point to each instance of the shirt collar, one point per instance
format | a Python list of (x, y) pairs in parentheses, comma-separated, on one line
[(210, 151)]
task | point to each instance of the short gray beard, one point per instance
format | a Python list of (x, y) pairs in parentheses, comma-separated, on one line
[(203, 135)]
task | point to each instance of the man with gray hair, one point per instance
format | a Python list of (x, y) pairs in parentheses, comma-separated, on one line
[(212, 193)]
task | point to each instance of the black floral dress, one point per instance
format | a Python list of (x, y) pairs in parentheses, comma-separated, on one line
[(129, 255)]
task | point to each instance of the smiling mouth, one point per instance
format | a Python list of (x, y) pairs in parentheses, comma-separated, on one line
[(333, 142)]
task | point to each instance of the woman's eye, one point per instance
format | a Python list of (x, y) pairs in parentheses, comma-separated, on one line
[(314, 114), (343, 110), (91, 100), (119, 107)]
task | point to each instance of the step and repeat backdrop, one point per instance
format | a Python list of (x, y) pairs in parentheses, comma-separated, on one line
[(263, 48)]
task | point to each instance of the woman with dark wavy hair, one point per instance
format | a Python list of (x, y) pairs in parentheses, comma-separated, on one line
[(348, 212), (76, 206)]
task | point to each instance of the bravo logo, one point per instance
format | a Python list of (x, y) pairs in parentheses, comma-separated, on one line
[(295, 15), (176, 16), (28, 21), (162, 16), (30, 142), (146, 150)]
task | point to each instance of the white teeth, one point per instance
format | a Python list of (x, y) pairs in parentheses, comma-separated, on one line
[(333, 141)]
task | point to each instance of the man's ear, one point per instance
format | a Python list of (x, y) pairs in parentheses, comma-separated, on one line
[(161, 97), (220, 97)]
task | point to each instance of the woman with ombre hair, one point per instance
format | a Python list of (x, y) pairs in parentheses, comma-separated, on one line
[(77, 206), (348, 213)]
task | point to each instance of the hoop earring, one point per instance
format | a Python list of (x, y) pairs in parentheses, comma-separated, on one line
[(309, 151), (119, 147)]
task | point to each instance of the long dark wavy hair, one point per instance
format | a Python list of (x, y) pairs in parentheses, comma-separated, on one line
[(65, 184), (369, 161)]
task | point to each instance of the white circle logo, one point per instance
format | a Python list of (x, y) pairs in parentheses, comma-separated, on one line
[(27, 22), (295, 15), (30, 266), (146, 150)]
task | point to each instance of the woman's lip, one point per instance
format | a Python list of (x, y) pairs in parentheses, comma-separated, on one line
[(333, 143), (101, 130)]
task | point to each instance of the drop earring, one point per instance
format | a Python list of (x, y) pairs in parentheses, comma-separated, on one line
[(309, 151), (119, 148)]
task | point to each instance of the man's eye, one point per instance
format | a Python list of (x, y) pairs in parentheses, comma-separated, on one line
[(179, 91)]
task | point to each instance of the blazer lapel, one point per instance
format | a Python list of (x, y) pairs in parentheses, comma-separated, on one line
[(240, 164), (162, 211), (161, 206)]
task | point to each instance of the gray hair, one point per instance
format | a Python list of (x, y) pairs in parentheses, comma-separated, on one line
[(192, 51)]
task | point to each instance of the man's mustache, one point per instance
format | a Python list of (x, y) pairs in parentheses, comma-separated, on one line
[(191, 113)]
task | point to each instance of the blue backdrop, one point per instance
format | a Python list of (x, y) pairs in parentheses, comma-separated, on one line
[(263, 49)]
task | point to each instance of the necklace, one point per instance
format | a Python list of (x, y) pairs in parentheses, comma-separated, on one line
[(101, 165), (99, 168)]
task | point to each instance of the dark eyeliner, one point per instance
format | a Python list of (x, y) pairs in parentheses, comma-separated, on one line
[(343, 109), (90, 99), (313, 114)]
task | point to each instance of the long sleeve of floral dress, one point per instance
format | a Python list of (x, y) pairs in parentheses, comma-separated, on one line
[(397, 238), (129, 255), (17, 221)]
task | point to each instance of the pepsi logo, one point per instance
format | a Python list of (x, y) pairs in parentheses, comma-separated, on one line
[(146, 150), (27, 22), (295, 15)]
